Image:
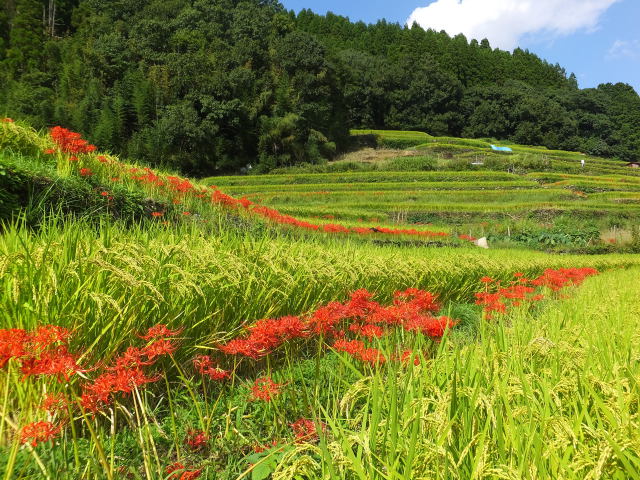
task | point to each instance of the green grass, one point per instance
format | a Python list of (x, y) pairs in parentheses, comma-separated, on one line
[(548, 391)]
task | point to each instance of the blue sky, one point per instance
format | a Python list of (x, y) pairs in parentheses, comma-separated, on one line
[(598, 40)]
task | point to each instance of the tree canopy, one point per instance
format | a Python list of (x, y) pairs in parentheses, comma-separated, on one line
[(210, 87)]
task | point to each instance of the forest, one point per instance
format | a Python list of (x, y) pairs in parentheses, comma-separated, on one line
[(209, 87)]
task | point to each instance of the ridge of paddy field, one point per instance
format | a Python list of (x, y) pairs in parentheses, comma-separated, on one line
[(159, 275), (453, 200)]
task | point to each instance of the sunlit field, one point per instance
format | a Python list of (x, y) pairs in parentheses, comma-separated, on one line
[(338, 325)]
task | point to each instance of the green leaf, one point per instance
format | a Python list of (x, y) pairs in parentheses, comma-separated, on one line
[(262, 471)]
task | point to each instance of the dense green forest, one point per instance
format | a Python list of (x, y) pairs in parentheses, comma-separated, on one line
[(210, 86)]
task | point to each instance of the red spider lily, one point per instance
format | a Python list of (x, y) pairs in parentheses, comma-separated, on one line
[(434, 327), (159, 348), (331, 228), (325, 320), (104, 386), (469, 238), (492, 302), (85, 172), (127, 373), (186, 214), (132, 357), (8, 120), (49, 151), (102, 159), (360, 304), (359, 351), (305, 430), (264, 448), (486, 280), (369, 331), (42, 352), (265, 389), (104, 194), (38, 432), (417, 299), (54, 403), (196, 439), (245, 202), (205, 366), (557, 279), (157, 214), (58, 363), (13, 344), (407, 355), (70, 142), (244, 347), (177, 471), (115, 179), (265, 336), (159, 331), (47, 335)]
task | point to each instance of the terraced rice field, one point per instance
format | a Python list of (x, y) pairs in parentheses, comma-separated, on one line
[(434, 195), (153, 327)]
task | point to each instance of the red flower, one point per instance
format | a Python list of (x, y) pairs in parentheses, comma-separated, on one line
[(38, 432), (85, 172), (104, 194), (103, 159), (54, 403), (369, 331), (49, 151), (47, 335), (159, 348), (8, 120), (486, 280), (159, 331), (305, 430), (359, 351), (157, 214), (434, 327), (204, 365), (407, 355), (196, 439), (70, 142), (263, 448), (265, 389), (57, 362), (13, 344), (176, 468)]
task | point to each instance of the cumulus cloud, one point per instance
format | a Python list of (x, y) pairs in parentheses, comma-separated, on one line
[(625, 49), (505, 22)]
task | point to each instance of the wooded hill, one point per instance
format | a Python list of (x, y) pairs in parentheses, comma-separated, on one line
[(211, 86)]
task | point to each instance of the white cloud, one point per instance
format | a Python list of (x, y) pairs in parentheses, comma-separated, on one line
[(625, 49), (505, 22)]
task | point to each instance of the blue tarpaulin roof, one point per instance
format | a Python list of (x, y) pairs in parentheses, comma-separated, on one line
[(501, 149)]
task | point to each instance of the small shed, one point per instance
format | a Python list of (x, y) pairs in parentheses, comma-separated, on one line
[(633, 165)]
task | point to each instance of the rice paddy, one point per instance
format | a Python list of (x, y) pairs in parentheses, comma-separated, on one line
[(167, 329)]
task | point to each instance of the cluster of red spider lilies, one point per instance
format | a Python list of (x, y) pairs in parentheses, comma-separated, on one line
[(497, 298), (352, 327), (71, 143), (45, 353)]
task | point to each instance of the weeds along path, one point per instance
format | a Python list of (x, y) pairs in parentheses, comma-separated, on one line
[(554, 395)]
